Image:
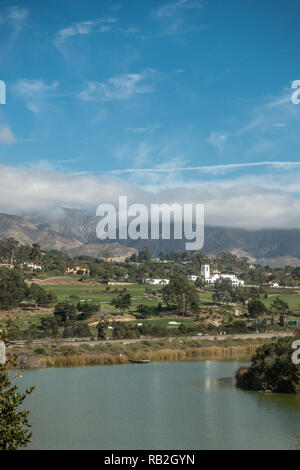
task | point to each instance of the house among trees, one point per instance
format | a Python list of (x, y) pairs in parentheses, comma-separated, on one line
[(270, 284), (211, 279), (78, 270), (35, 267), (155, 282)]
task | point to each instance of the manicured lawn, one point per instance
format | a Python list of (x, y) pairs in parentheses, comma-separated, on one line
[(292, 300), (23, 321), (91, 293), (206, 297), (138, 293)]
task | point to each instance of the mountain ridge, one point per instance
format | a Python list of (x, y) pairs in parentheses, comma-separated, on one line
[(75, 234)]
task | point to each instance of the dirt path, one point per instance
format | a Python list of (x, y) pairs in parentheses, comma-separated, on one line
[(63, 281)]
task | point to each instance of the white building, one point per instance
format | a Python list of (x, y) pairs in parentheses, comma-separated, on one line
[(234, 280), (211, 279), (35, 267), (192, 277), (205, 271), (157, 282)]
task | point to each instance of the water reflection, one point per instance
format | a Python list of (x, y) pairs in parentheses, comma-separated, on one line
[(157, 406)]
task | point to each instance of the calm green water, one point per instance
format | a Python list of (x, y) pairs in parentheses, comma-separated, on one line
[(188, 405)]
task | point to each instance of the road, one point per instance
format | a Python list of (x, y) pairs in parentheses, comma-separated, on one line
[(79, 342)]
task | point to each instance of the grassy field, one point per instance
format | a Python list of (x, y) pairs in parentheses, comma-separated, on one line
[(91, 293), (98, 294), (293, 300), (64, 287)]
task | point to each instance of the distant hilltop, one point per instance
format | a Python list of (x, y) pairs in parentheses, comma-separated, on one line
[(75, 234)]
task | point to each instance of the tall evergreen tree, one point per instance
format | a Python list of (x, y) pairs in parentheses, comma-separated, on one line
[(14, 423)]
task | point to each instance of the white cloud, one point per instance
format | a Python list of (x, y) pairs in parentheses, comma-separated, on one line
[(82, 28), (168, 10), (173, 15), (165, 168), (217, 139), (142, 130), (6, 135), (273, 113), (131, 30), (34, 88), (15, 16), (35, 92), (270, 130), (245, 202), (121, 87), (143, 154)]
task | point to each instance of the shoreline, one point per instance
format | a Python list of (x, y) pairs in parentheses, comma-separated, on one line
[(161, 356), (155, 351)]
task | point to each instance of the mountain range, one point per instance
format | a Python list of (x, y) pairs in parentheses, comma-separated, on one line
[(74, 232)]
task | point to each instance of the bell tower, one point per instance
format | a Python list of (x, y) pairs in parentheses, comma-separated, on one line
[(205, 271)]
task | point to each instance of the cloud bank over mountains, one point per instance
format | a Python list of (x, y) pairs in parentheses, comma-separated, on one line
[(246, 202)]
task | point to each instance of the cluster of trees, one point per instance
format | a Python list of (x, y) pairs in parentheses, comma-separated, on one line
[(72, 318), (271, 369), (182, 294), (56, 262), (68, 311), (120, 330), (226, 293), (122, 302), (141, 265), (40, 296), (238, 327), (256, 308), (143, 256), (14, 253), (14, 290), (77, 329), (67, 316), (144, 311)]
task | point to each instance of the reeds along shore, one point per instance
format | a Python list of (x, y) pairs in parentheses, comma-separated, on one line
[(161, 355)]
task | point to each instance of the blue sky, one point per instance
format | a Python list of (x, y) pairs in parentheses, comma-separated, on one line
[(191, 92)]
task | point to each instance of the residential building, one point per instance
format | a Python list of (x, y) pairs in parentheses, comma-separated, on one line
[(156, 282), (234, 280), (212, 278), (78, 270)]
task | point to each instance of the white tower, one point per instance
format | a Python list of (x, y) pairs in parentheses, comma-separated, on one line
[(205, 271)]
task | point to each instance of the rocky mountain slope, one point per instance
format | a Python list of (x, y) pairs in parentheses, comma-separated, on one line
[(75, 233)]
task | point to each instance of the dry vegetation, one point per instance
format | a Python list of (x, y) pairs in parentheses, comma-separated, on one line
[(122, 353)]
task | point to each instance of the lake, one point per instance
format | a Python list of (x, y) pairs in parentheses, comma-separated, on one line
[(185, 405)]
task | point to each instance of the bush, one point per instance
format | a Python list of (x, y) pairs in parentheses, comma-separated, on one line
[(121, 331), (39, 351), (271, 369), (76, 330)]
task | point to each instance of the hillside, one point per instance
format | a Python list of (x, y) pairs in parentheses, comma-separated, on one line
[(64, 234), (75, 233)]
